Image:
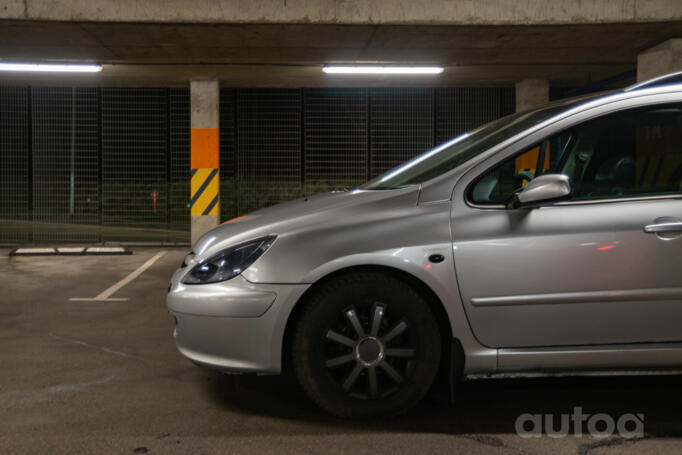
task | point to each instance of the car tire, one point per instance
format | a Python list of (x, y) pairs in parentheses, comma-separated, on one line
[(366, 344)]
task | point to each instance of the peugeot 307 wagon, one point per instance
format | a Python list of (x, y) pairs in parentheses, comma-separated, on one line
[(548, 240)]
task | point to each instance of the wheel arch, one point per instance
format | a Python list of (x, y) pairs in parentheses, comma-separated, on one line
[(448, 342)]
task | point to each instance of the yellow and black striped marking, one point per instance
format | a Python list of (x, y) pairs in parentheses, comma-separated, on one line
[(204, 191)]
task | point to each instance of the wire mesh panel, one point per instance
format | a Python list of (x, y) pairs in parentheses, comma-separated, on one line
[(401, 126), (459, 110), (134, 159), (179, 172), (335, 133), (228, 155), (65, 138), (507, 101), (88, 164), (15, 208), (268, 147)]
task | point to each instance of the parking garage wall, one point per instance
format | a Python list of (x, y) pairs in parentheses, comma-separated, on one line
[(84, 164)]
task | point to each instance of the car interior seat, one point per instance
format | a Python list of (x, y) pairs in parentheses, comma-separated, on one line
[(612, 168)]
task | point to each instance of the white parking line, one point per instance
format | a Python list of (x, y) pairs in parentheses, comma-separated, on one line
[(104, 295)]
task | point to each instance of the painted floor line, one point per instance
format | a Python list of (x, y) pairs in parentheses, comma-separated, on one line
[(105, 296), (95, 299)]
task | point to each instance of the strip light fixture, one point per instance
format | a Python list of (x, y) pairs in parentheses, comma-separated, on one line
[(373, 69), (50, 67)]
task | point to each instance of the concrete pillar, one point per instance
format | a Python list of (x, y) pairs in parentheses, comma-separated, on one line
[(531, 93), (661, 59), (205, 161)]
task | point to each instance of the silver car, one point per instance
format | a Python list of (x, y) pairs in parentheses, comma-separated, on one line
[(548, 240)]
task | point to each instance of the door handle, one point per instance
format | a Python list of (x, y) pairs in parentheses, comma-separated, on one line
[(663, 227)]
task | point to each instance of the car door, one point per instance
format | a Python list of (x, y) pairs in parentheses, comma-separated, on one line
[(603, 267)]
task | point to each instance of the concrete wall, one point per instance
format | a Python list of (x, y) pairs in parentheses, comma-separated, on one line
[(658, 60), (450, 12), (531, 93)]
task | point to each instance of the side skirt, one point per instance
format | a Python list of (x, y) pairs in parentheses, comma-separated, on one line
[(647, 356)]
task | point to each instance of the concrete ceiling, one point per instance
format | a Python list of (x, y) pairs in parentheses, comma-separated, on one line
[(423, 12), (290, 55)]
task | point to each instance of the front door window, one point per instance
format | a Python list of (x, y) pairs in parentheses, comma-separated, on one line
[(632, 153)]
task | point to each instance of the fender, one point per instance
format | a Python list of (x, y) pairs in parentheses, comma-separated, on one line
[(439, 277)]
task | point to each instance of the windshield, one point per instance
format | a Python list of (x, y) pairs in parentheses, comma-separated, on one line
[(451, 154)]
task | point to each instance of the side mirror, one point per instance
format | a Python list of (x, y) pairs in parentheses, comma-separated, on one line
[(546, 188)]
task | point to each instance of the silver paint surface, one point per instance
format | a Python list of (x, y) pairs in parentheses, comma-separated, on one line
[(525, 289)]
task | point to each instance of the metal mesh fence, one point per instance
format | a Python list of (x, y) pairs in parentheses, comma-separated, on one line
[(179, 155), (401, 126), (459, 110), (102, 164), (335, 138), (15, 172), (134, 158), (65, 133), (228, 155), (268, 127), (507, 101)]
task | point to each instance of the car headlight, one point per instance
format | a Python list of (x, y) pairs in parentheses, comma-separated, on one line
[(229, 263)]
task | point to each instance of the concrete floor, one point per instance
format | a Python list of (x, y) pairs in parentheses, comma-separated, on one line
[(104, 377)]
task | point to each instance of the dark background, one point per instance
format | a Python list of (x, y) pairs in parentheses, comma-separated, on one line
[(124, 144)]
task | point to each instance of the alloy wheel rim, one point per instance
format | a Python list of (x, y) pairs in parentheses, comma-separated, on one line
[(369, 354)]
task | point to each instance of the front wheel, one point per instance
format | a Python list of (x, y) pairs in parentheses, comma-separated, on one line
[(366, 344)]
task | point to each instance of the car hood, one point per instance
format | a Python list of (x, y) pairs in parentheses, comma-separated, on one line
[(302, 214)]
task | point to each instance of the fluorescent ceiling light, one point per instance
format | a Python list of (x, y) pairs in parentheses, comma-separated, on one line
[(362, 69), (50, 67)]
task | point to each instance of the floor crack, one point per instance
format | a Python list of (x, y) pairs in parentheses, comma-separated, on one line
[(94, 346), (584, 449)]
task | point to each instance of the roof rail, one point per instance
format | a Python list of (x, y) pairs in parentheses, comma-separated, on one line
[(672, 78)]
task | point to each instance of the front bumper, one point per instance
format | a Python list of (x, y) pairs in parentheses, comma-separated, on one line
[(234, 326)]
